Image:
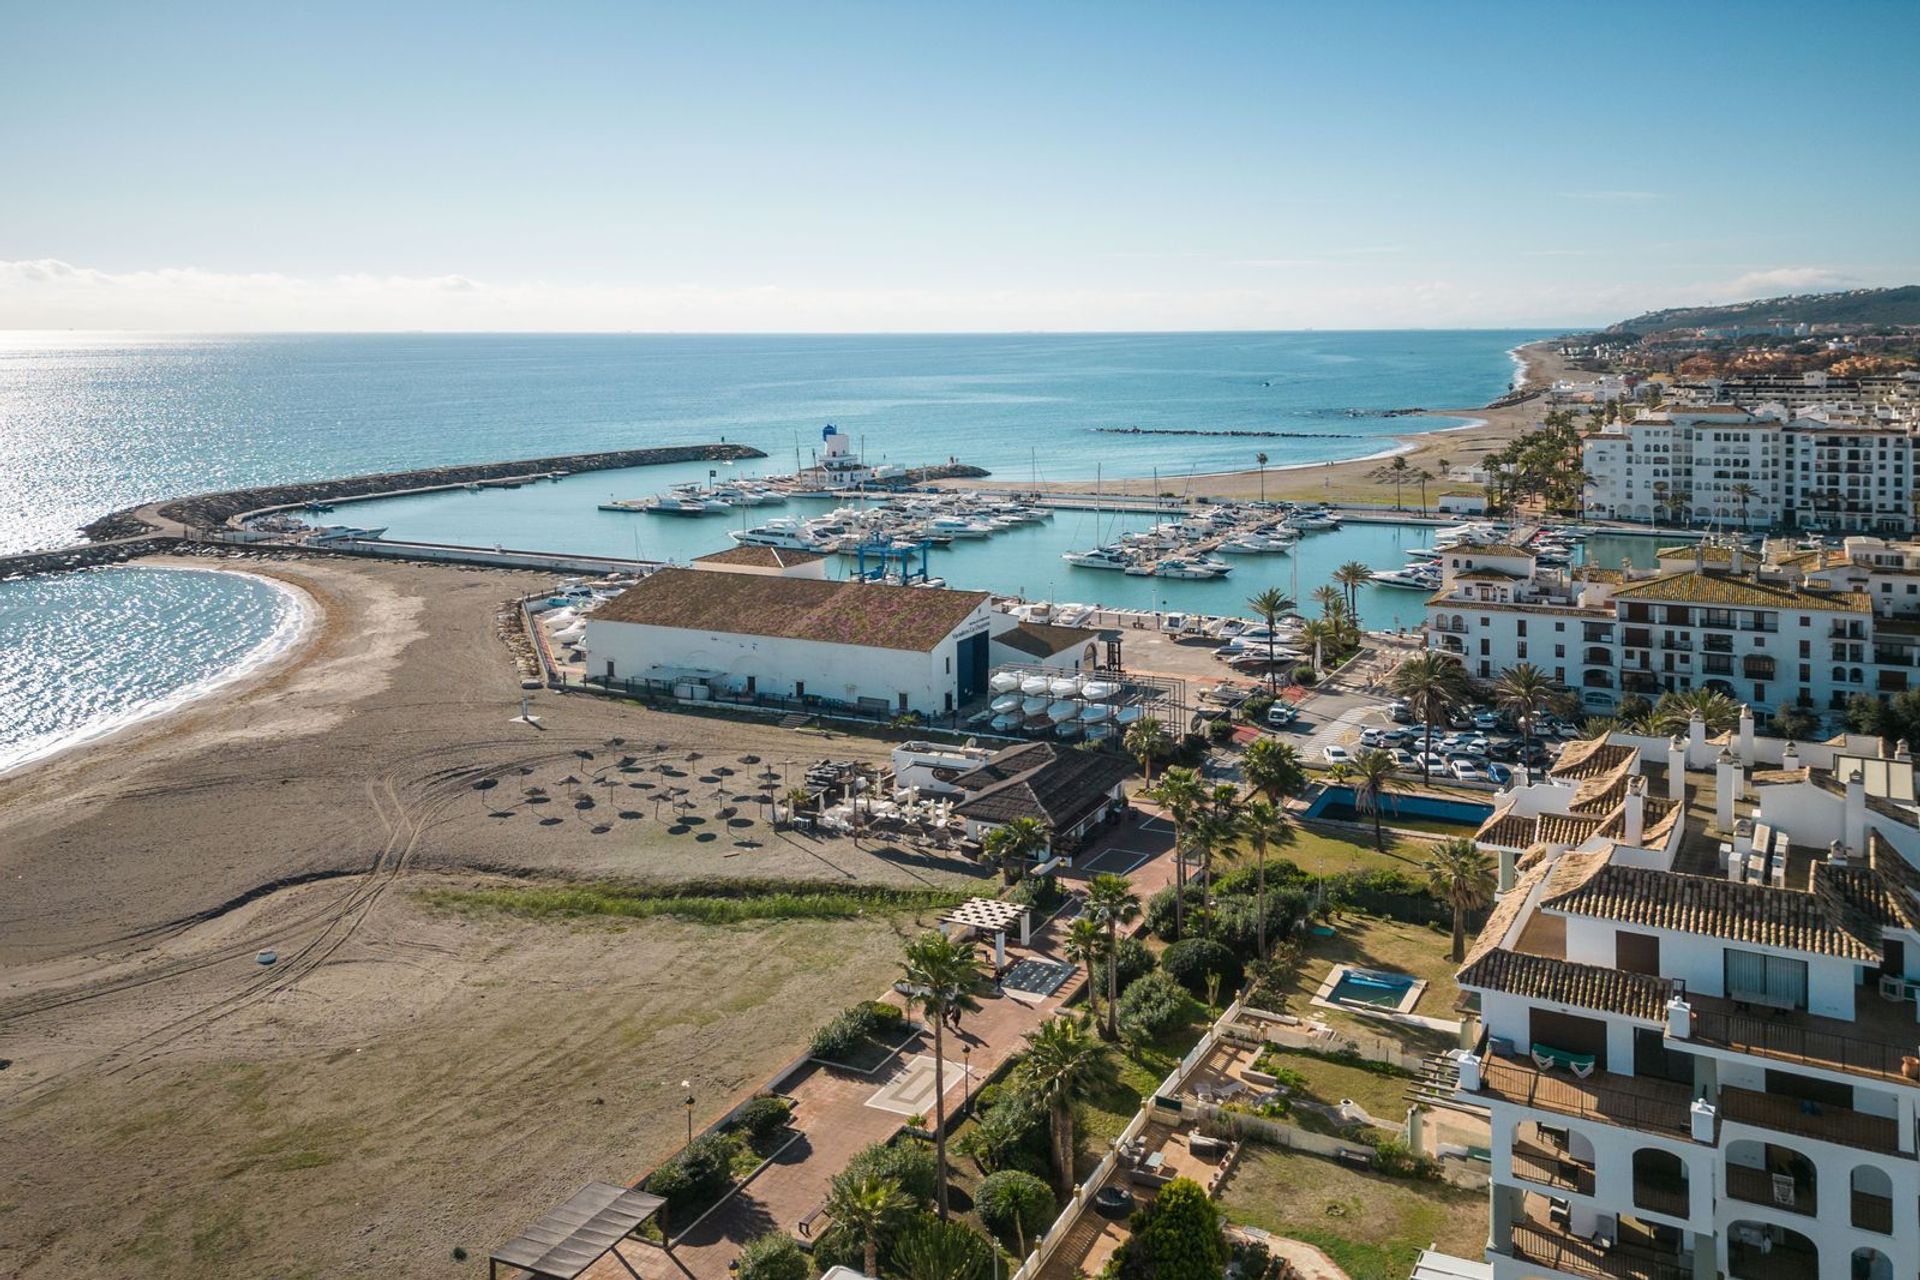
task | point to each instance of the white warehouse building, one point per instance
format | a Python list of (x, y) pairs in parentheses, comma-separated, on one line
[(864, 647)]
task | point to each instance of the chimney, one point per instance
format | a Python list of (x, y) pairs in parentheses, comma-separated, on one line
[(1701, 1123), (1790, 756), (1508, 873), (1700, 555), (1696, 737), (1726, 781), (1738, 560), (1855, 832), (1636, 806), (1676, 768), (1679, 1018), (1746, 735)]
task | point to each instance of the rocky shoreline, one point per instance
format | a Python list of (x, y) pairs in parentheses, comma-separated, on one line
[(208, 511)]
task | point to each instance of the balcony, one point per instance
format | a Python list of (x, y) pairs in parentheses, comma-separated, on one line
[(1549, 1166), (1597, 656), (1873, 1044), (1757, 666), (1596, 680), (1717, 644), (1452, 644), (1631, 1102), (1557, 1250), (1639, 682), (1637, 638), (1768, 626), (1873, 1213), (1823, 1123), (1755, 1186)]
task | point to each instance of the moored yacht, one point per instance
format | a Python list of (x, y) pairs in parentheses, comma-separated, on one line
[(783, 532), (1108, 557), (1412, 578)]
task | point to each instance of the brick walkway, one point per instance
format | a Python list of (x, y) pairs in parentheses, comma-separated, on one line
[(832, 1115)]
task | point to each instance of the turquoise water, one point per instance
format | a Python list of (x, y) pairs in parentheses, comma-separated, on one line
[(1386, 990), (92, 423), (87, 653)]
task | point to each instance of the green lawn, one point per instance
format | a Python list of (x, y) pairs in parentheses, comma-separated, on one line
[(1383, 1095), (1142, 1069), (1372, 1226), (1374, 942), (1324, 851)]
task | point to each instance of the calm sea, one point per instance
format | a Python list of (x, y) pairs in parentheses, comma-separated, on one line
[(92, 423)]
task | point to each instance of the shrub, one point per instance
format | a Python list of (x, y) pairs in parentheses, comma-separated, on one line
[(1305, 676), (909, 1163), (843, 1033), (1189, 961), (1153, 1006), (1159, 913), (774, 1256), (950, 1250), (1394, 894), (698, 1174), (1254, 709), (764, 1116), (1040, 893), (888, 1019), (1236, 919), (1011, 1130), (1220, 732), (1134, 960), (1017, 1207), (1176, 1237), (1395, 1159)]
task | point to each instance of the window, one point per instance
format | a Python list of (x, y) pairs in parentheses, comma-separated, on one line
[(1774, 980)]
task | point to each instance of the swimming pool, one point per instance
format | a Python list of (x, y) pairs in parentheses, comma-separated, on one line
[(1336, 803), (1358, 986)]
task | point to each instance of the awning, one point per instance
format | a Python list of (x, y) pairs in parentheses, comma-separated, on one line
[(573, 1236)]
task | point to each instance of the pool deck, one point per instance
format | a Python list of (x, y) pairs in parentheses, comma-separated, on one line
[(1401, 1013)]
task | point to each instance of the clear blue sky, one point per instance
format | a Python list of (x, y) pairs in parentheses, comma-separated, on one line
[(944, 166)]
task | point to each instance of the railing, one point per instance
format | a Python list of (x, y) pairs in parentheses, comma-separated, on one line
[(1551, 1168), (1777, 1037), (1584, 1258), (1821, 1122), (1756, 1186), (1627, 1101), (1662, 1196), (1873, 1213)]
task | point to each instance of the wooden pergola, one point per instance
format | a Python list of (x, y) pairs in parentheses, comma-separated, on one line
[(574, 1235)]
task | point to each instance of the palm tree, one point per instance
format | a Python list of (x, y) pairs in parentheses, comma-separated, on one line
[(1743, 493), (1322, 634), (1372, 779), (1330, 599), (1423, 475), (939, 977), (1146, 740), (1261, 459), (1273, 769), (866, 1209), (931, 1250), (1675, 710), (797, 798), (1523, 691), (1062, 1065), (1013, 844), (1431, 684), (1462, 875), (1085, 943), (1213, 833), (1181, 794), (1269, 605), (1263, 823), (1112, 901), (1353, 575)]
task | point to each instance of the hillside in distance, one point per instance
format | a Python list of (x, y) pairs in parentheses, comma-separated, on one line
[(1895, 306)]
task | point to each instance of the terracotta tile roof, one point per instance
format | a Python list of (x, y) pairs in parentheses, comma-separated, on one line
[(1765, 777), (761, 557), (1603, 791), (1589, 758), (1486, 575), (1865, 898), (1057, 786), (1571, 872), (1043, 639), (1492, 549), (1584, 986), (1696, 587), (1783, 918), (1506, 910), (758, 604)]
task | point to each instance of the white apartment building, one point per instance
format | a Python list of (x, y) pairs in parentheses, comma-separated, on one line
[(1697, 1041), (1732, 467), (1767, 635)]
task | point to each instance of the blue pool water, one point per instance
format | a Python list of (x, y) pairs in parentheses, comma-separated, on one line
[(1386, 990), (1337, 803)]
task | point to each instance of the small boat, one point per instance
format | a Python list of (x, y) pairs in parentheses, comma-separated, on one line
[(1099, 732), (1003, 723), (1033, 707), (1035, 686), (1098, 690), (1094, 712), (1067, 729), (1007, 702), (1064, 687), (1065, 709), (1182, 567), (1129, 715), (1003, 681), (344, 533)]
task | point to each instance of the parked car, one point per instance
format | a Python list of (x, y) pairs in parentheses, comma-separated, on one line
[(1467, 771), (1436, 763), (1486, 720), (1499, 773), (1404, 759), (1400, 713), (1459, 718), (1371, 737), (1281, 714), (1338, 755)]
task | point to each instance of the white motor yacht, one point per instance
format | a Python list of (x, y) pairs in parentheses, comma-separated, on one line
[(784, 532), (1415, 578), (1184, 567), (958, 527), (1108, 557)]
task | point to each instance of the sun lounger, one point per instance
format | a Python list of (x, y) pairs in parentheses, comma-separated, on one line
[(1547, 1058)]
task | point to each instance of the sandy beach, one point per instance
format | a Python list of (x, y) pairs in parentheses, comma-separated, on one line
[(404, 1079), (1488, 430)]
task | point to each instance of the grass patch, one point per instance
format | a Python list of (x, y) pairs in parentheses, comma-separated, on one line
[(1381, 1091), (1141, 1069), (1325, 853), (701, 901), (1373, 1226), (1374, 942)]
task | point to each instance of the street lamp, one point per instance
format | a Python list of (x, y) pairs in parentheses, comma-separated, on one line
[(688, 1086), (966, 1065)]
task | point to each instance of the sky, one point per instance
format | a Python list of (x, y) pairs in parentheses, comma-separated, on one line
[(874, 167)]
